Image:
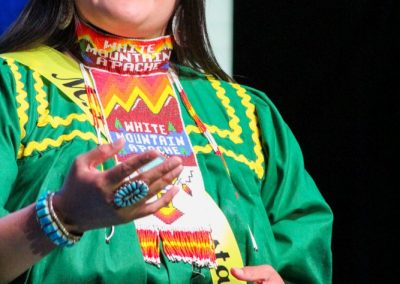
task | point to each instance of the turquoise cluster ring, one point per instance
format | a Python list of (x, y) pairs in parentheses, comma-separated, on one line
[(130, 193)]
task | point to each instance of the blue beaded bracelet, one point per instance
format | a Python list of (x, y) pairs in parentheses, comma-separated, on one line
[(50, 223)]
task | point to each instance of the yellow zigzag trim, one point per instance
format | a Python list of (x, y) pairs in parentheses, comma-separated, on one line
[(21, 98), (45, 143), (20, 151), (236, 130), (250, 113), (229, 153), (137, 92), (44, 114), (257, 165), (41, 99)]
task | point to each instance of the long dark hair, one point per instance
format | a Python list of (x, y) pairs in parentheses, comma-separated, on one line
[(39, 23)]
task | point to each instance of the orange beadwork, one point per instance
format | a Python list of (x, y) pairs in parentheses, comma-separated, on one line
[(150, 245), (195, 247), (189, 246)]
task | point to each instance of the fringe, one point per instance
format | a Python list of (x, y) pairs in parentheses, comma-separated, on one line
[(150, 244), (195, 247)]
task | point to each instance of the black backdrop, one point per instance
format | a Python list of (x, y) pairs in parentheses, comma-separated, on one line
[(329, 66)]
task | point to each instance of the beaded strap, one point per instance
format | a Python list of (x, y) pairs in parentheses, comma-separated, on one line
[(51, 224)]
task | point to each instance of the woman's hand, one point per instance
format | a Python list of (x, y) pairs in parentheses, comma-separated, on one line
[(262, 274), (86, 200)]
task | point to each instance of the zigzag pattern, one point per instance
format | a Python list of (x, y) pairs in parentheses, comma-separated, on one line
[(250, 113), (118, 90), (47, 142), (21, 97), (234, 134), (44, 114), (235, 131)]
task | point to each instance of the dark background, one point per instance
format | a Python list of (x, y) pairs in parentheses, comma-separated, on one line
[(330, 68)]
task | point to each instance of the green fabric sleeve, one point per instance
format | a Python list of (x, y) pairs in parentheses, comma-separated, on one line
[(9, 135), (300, 218)]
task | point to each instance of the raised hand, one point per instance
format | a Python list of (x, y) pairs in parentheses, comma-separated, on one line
[(85, 201)]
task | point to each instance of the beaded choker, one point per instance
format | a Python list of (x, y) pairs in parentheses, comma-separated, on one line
[(122, 55)]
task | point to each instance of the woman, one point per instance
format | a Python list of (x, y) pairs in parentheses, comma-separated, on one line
[(206, 169)]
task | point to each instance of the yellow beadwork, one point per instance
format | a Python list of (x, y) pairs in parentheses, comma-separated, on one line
[(137, 92)]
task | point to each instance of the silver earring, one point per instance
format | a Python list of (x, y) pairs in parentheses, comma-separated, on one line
[(68, 15)]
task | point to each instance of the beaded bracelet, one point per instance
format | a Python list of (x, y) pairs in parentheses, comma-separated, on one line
[(51, 224)]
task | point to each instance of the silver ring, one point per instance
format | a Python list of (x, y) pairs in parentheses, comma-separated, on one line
[(130, 193)]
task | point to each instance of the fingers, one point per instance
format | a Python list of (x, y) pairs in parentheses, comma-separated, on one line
[(164, 181), (258, 274), (156, 178), (161, 202), (116, 174), (101, 154), (245, 274), (162, 174)]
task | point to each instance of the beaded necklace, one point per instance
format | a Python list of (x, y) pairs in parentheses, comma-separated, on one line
[(98, 113), (109, 62)]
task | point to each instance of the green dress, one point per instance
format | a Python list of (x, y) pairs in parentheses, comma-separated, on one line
[(269, 192)]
